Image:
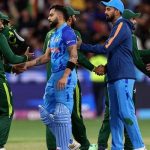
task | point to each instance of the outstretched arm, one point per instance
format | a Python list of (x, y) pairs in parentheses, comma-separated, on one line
[(39, 60), (82, 60), (90, 48), (97, 49), (116, 37)]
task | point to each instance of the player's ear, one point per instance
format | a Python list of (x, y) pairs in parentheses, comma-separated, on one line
[(69, 19), (60, 15)]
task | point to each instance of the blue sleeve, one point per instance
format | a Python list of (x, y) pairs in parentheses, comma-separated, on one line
[(117, 36), (98, 49), (69, 37)]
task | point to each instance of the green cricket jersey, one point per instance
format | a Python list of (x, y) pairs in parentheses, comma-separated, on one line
[(16, 43), (140, 57), (6, 53)]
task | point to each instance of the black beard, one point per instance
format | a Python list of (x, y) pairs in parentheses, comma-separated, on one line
[(110, 19), (54, 23), (73, 25)]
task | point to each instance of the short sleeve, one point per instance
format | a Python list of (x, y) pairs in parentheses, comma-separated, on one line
[(69, 37)]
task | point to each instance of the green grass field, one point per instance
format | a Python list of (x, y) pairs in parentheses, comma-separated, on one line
[(30, 135)]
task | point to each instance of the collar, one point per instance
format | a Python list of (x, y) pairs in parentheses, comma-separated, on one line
[(118, 19), (61, 27)]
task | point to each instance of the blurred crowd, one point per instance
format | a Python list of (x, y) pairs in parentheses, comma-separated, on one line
[(30, 19)]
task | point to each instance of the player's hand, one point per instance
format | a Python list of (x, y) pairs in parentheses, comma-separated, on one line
[(79, 42), (148, 67), (19, 68), (100, 70), (61, 83), (28, 54)]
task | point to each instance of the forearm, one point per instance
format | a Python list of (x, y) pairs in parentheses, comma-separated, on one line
[(73, 56), (98, 49), (15, 59), (66, 73), (38, 61), (82, 60)]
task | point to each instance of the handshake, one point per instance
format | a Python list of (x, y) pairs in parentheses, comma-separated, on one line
[(100, 70), (20, 68)]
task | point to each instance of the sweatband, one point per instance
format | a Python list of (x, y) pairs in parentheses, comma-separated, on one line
[(71, 65)]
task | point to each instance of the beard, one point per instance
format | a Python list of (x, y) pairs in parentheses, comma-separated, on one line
[(53, 23), (73, 24), (110, 18)]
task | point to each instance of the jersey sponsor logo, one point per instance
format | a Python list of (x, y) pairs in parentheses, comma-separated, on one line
[(70, 41)]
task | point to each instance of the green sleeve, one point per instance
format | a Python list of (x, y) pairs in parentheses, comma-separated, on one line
[(137, 58), (7, 68), (8, 54), (82, 60), (46, 41), (144, 52), (45, 44), (145, 55), (77, 33)]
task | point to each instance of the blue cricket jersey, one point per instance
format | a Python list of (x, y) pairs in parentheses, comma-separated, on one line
[(61, 39)]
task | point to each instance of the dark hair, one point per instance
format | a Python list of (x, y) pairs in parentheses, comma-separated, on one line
[(61, 9)]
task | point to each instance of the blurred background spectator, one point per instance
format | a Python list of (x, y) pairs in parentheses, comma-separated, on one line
[(30, 19)]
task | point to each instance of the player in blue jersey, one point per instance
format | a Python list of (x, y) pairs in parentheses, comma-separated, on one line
[(120, 75), (58, 97)]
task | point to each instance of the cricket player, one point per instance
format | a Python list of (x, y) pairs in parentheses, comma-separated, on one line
[(105, 128), (16, 43), (78, 127), (6, 107), (58, 98), (140, 58), (121, 76)]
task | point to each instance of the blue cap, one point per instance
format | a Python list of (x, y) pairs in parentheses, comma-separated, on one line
[(118, 4)]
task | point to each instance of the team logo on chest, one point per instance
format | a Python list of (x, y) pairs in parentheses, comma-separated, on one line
[(54, 50), (54, 46)]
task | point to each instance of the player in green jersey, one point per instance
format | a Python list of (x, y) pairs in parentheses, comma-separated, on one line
[(6, 100), (15, 41)]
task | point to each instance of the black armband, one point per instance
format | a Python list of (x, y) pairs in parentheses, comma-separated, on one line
[(71, 65)]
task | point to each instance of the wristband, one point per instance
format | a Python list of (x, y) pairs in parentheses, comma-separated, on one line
[(71, 65)]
